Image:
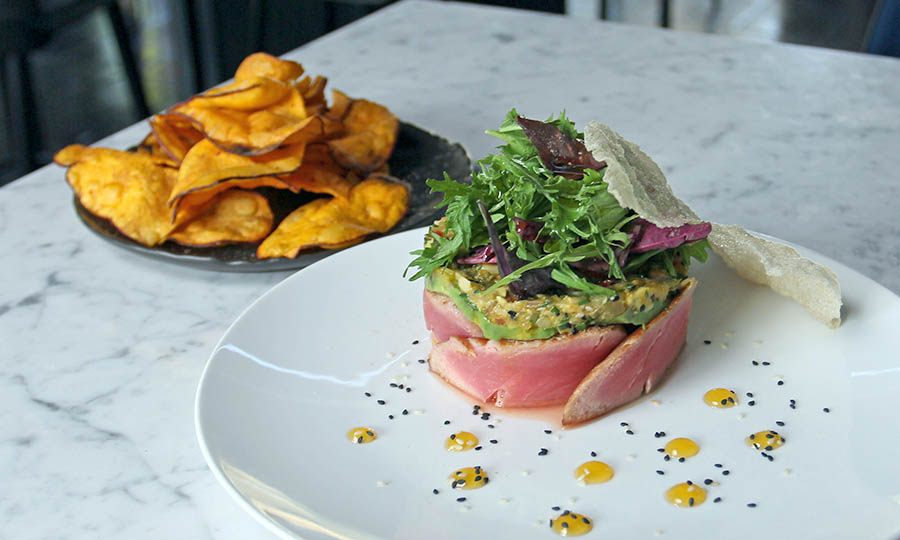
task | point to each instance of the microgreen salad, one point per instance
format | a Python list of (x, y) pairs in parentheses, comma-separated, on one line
[(541, 211)]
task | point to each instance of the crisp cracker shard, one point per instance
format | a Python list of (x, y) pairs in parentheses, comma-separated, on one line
[(639, 184), (635, 180), (780, 268)]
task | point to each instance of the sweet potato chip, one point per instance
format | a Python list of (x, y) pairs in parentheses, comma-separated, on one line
[(208, 170), (247, 95), (235, 216), (371, 131), (258, 132), (340, 104), (320, 174), (129, 189), (174, 134), (150, 146), (375, 205), (313, 92), (265, 65)]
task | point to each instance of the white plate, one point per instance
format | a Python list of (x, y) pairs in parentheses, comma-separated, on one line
[(288, 378)]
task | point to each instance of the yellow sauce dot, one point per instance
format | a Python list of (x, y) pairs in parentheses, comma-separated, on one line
[(765, 440), (571, 524), (593, 472), (686, 495), (361, 435), (720, 398), (461, 441), (681, 448), (468, 478)]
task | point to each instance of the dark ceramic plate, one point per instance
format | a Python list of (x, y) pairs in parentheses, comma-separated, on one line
[(418, 156)]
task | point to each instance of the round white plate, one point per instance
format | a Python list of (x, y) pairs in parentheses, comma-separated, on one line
[(288, 380)]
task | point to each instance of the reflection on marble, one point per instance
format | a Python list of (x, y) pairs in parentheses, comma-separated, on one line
[(103, 349)]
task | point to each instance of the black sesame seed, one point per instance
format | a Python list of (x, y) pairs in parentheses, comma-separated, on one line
[(405, 412), (478, 478), (368, 394), (566, 512), (623, 424), (660, 472), (400, 386), (381, 402), (446, 422), (726, 472), (751, 505), (707, 342), (766, 363), (393, 385), (359, 440), (689, 483), (435, 491), (681, 460), (724, 402), (408, 389), (390, 417), (491, 426), (415, 342), (779, 423), (691, 501), (370, 433), (660, 450), (478, 447), (752, 436), (476, 407), (755, 363), (751, 403), (475, 413), (749, 394), (593, 454), (780, 383), (543, 452), (554, 508), (717, 465), (460, 499), (548, 431), (452, 436), (421, 360), (717, 499), (826, 409), (493, 441), (454, 484), (586, 520), (485, 416), (666, 458), (628, 431), (708, 481), (731, 400), (770, 458)]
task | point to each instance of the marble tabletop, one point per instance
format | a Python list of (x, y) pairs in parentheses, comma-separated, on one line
[(103, 349)]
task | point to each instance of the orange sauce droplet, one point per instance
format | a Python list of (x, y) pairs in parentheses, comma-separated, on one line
[(361, 435), (681, 448), (593, 472), (468, 478), (720, 398), (461, 441), (767, 440), (686, 495), (571, 524)]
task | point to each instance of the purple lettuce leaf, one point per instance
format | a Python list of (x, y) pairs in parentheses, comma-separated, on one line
[(560, 153)]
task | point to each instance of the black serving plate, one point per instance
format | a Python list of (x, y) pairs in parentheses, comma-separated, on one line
[(418, 156)]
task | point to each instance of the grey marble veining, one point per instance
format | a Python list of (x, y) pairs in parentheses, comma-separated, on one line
[(103, 349)]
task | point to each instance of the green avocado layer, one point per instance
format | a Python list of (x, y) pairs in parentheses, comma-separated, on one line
[(636, 301)]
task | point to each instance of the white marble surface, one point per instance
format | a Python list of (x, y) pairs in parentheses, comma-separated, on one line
[(102, 349)]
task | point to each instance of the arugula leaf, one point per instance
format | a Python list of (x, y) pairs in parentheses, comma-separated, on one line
[(580, 218)]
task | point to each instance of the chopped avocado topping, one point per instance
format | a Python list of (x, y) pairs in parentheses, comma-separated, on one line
[(635, 301)]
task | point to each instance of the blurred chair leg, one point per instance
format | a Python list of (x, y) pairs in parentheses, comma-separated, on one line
[(128, 58), (664, 13), (23, 121)]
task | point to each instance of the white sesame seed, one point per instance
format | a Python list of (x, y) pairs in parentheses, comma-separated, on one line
[(573, 500), (729, 334), (657, 532), (503, 500), (526, 473), (787, 472), (539, 523), (724, 345), (758, 341), (389, 355), (418, 411), (631, 457), (381, 483), (404, 364), (556, 437), (655, 401), (741, 416), (465, 508)]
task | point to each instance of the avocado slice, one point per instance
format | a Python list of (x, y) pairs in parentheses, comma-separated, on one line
[(636, 302)]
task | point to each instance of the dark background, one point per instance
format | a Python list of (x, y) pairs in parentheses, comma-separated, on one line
[(79, 90)]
